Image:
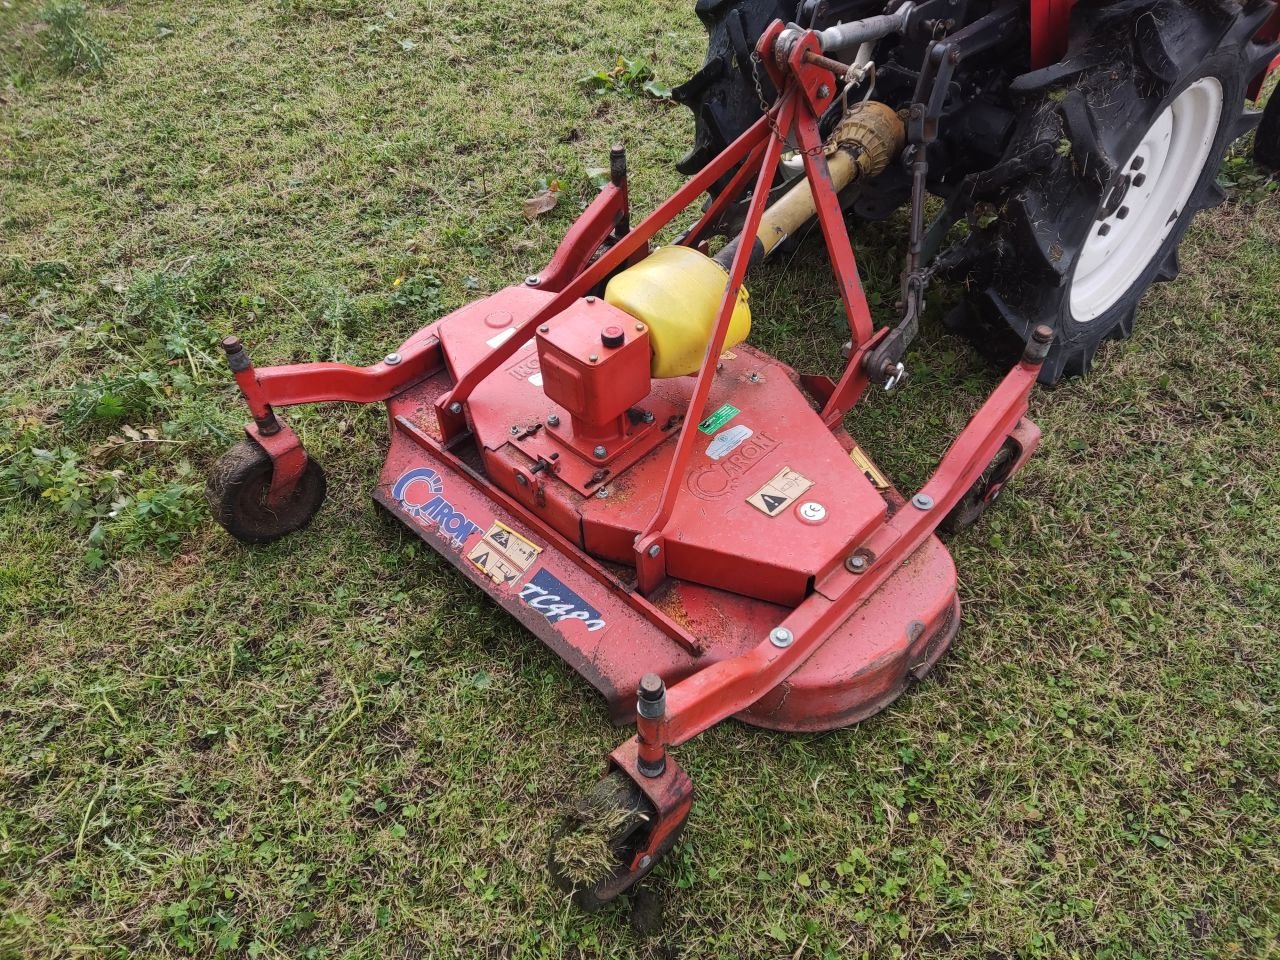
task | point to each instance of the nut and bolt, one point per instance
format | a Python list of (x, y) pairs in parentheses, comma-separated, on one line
[(647, 416), (602, 493), (1043, 333), (532, 280), (857, 563), (600, 453), (639, 328), (391, 359), (455, 408), (781, 637), (544, 329), (594, 358), (922, 501), (824, 91), (654, 550), (553, 421), (590, 299), (522, 479), (645, 862)]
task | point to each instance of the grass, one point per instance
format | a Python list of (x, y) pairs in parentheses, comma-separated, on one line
[(332, 747)]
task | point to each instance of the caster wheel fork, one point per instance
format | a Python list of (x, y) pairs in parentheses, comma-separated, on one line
[(615, 834)]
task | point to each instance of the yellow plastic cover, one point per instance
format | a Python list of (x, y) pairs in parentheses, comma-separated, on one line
[(677, 291)]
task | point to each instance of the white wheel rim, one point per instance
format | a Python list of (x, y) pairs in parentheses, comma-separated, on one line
[(1161, 174)]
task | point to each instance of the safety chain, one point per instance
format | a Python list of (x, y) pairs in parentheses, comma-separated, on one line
[(767, 109)]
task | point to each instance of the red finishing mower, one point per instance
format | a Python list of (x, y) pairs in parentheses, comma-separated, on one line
[(684, 519)]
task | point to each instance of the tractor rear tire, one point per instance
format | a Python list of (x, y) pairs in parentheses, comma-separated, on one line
[(723, 94), (1140, 125)]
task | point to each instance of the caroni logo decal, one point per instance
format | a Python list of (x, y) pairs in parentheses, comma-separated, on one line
[(421, 492)]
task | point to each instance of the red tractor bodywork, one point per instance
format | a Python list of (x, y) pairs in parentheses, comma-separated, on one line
[(1049, 20)]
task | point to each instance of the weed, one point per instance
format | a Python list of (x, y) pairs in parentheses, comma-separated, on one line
[(627, 77), (67, 39)]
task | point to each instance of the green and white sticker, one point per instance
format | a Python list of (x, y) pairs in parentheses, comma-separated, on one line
[(719, 418)]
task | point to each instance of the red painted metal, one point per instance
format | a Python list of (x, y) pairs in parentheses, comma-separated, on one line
[(607, 214), (288, 460), (1049, 22), (1269, 33)]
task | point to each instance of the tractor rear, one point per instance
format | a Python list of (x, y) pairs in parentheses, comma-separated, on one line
[(685, 519)]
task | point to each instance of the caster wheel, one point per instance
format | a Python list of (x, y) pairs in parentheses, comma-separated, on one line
[(237, 495), (974, 503), (595, 840)]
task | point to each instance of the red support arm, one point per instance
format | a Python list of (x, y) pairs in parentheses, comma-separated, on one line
[(730, 686)]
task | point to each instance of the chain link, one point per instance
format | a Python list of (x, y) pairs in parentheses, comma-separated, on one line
[(767, 109)]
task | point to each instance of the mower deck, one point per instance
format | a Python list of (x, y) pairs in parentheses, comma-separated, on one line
[(554, 557), (690, 527)]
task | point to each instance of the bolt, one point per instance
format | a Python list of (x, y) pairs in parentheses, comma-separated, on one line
[(781, 637), (639, 328), (824, 91), (455, 408), (1122, 213), (544, 329), (522, 479), (651, 688), (1104, 229), (391, 359), (655, 550), (922, 501), (1043, 333), (232, 345), (1139, 180), (645, 861), (594, 358), (602, 493), (591, 299), (515, 430), (755, 377), (600, 453), (532, 280), (553, 421), (856, 563), (647, 416)]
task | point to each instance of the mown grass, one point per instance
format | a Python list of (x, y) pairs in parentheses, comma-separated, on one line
[(333, 748)]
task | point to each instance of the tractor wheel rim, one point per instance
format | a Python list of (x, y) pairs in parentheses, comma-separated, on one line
[(1158, 181)]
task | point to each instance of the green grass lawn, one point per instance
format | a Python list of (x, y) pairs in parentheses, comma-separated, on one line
[(333, 747)]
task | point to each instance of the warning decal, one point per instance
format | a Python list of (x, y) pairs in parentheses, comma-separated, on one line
[(780, 492), (868, 468), (503, 555)]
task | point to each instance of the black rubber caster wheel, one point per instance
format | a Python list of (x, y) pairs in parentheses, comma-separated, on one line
[(974, 503), (237, 495), (596, 839)]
